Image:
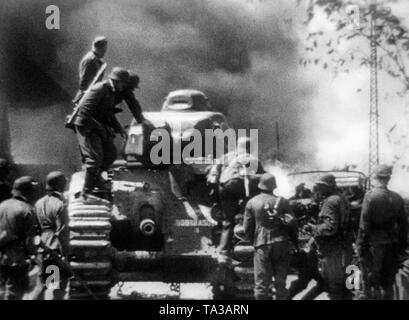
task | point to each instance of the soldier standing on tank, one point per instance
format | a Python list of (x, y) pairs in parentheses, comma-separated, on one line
[(17, 232), (270, 226), (5, 189), (96, 126), (228, 178), (90, 64), (52, 218), (332, 238), (382, 236)]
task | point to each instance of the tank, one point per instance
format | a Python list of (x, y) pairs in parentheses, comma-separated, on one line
[(156, 222)]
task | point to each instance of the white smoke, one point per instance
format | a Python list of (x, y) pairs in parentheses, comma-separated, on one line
[(285, 188)]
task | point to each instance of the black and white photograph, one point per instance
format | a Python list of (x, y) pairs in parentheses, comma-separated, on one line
[(204, 151)]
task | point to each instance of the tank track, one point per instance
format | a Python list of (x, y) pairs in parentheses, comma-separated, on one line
[(90, 248), (244, 271), (236, 281)]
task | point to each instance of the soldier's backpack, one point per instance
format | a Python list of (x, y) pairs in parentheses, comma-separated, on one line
[(276, 217)]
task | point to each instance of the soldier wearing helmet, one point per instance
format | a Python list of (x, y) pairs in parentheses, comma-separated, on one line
[(235, 179), (17, 232), (332, 238), (129, 97), (270, 226), (382, 236), (52, 218), (5, 189), (96, 126), (301, 192)]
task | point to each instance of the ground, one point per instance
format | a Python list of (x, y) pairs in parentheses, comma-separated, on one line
[(159, 290)]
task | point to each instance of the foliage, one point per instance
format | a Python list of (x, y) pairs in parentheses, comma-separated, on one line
[(392, 38)]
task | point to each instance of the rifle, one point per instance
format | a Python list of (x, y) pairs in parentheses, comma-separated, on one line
[(69, 122), (61, 263)]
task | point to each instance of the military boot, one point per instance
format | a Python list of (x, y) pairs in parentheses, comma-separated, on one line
[(102, 184), (91, 175)]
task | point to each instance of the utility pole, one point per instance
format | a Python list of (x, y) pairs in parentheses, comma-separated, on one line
[(278, 141), (373, 103)]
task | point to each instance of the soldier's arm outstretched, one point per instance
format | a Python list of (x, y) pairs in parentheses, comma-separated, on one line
[(134, 106)]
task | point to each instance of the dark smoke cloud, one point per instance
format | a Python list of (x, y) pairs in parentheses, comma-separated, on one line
[(240, 53)]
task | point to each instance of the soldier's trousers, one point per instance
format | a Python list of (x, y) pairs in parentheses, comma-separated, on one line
[(13, 282), (381, 264), (98, 153), (230, 194), (271, 260), (332, 262)]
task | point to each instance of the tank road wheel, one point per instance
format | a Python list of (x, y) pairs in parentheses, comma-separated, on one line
[(233, 283), (223, 284), (243, 254), (244, 284), (90, 248)]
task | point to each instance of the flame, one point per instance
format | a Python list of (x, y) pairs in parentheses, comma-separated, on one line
[(285, 187)]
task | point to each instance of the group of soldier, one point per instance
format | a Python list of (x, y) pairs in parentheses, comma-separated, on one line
[(94, 120), (269, 223), (22, 219), (272, 228), (27, 227)]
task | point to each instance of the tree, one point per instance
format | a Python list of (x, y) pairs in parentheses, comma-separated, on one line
[(392, 38)]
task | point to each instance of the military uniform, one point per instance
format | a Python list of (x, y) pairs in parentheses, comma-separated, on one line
[(231, 189), (267, 225), (334, 244), (52, 218), (17, 231), (88, 69), (96, 125), (382, 236)]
